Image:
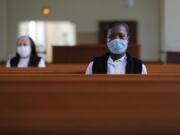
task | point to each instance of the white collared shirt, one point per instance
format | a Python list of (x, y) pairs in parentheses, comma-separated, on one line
[(23, 63), (117, 67)]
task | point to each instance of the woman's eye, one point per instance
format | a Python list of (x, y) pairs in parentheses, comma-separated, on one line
[(121, 35)]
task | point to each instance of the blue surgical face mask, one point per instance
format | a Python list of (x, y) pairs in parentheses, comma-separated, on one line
[(24, 51), (117, 46)]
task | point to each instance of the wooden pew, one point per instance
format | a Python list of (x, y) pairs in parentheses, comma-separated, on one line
[(85, 53), (153, 69), (47, 104), (53, 68), (163, 68)]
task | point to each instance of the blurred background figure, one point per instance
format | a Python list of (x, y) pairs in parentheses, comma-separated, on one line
[(26, 55)]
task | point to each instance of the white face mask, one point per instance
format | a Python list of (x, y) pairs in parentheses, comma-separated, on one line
[(117, 46), (24, 51)]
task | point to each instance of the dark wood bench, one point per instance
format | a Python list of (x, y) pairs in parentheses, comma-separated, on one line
[(81, 68), (53, 104)]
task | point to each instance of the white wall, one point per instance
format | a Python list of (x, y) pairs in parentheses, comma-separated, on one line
[(171, 25), (3, 30), (86, 14)]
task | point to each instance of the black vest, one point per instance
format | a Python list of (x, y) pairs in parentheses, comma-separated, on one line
[(133, 66), (33, 62)]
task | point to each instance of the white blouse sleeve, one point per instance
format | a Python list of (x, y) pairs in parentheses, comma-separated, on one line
[(89, 69), (144, 70), (8, 65), (42, 64)]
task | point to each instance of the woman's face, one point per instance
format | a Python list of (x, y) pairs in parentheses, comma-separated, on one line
[(24, 47), (117, 32), (24, 41)]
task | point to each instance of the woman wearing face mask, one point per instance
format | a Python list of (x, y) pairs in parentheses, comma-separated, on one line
[(26, 55), (117, 60)]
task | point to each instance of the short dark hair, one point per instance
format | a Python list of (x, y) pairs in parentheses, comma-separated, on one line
[(114, 24)]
